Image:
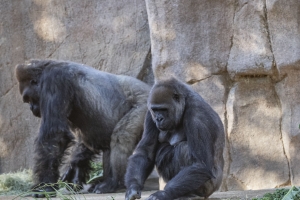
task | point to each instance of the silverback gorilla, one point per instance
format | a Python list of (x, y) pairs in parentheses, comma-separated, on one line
[(107, 111), (184, 139)]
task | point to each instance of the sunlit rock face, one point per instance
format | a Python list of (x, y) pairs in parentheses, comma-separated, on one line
[(112, 36), (242, 56)]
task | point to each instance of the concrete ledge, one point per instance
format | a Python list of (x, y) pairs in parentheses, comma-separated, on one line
[(232, 195)]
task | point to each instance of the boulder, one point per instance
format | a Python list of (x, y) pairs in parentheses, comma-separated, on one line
[(112, 36), (243, 58), (190, 39), (256, 148)]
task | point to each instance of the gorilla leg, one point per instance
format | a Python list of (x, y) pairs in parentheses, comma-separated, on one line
[(49, 154), (79, 168), (213, 184), (106, 183), (125, 136), (182, 174)]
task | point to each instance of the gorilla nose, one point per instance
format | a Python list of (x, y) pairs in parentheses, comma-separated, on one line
[(159, 119), (26, 98)]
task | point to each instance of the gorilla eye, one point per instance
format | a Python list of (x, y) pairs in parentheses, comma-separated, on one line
[(33, 82), (176, 97)]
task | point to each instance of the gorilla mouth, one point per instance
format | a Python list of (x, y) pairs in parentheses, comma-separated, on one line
[(35, 110), (161, 127), (36, 113)]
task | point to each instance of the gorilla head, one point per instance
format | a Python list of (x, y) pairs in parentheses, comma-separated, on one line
[(28, 78), (166, 104)]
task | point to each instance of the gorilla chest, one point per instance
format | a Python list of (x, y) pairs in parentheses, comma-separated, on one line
[(173, 138)]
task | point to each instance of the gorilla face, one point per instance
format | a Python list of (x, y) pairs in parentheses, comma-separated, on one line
[(166, 107), (29, 91), (28, 77)]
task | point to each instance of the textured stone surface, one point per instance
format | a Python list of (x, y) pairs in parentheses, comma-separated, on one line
[(251, 48), (256, 149), (190, 39), (289, 92), (209, 89), (283, 23), (242, 56), (109, 35)]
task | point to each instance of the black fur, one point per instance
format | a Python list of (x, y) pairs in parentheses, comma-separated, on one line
[(184, 139), (107, 111)]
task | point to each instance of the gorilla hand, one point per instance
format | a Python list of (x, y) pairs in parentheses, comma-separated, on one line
[(133, 193), (74, 175), (160, 195), (43, 190)]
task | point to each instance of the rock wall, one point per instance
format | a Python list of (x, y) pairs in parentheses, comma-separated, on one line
[(242, 56), (109, 35)]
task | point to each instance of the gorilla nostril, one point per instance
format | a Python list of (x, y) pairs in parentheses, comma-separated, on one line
[(159, 119)]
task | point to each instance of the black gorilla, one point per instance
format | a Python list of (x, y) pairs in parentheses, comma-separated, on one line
[(184, 138), (107, 111)]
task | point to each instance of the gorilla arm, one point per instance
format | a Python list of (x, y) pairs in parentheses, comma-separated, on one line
[(141, 163), (54, 135), (79, 167)]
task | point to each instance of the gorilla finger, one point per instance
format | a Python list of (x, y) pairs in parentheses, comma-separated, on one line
[(133, 197), (43, 193), (77, 179), (67, 176), (91, 189), (97, 189), (133, 194), (152, 198), (159, 195)]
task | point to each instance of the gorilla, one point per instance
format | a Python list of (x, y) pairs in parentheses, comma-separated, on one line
[(105, 111), (184, 139)]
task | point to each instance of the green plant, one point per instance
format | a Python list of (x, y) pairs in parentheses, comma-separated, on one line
[(15, 183), (293, 193), (96, 172), (282, 194), (72, 195), (20, 183)]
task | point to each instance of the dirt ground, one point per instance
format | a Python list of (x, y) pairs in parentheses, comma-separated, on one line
[(150, 187), (232, 195)]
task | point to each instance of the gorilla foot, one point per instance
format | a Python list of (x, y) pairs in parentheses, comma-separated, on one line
[(105, 188), (160, 195), (74, 176), (44, 190), (132, 193)]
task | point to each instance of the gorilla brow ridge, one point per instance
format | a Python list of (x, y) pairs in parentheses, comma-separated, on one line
[(175, 85), (33, 68)]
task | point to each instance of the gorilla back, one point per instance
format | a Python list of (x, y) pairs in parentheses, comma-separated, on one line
[(184, 138), (106, 110)]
